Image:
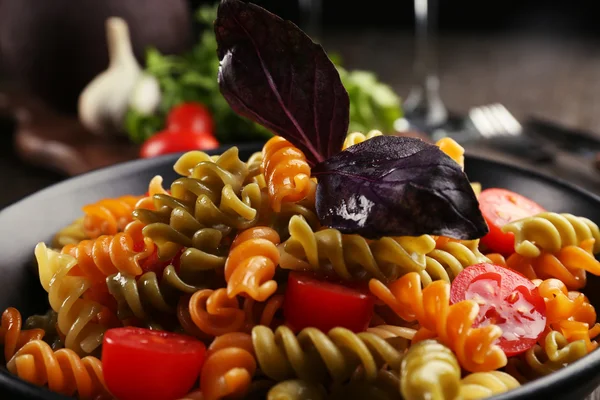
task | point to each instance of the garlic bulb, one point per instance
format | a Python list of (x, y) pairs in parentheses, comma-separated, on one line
[(104, 101), (145, 96)]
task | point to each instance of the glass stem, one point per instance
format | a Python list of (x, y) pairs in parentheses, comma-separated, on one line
[(310, 18), (423, 104)]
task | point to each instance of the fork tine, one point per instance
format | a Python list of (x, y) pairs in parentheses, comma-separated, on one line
[(481, 122), (510, 123), (490, 113)]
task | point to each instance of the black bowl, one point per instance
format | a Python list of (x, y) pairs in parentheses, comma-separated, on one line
[(37, 217)]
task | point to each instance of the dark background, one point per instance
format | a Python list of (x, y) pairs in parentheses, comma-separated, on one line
[(537, 57), (578, 17)]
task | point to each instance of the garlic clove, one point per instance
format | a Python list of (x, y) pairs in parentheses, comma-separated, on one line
[(104, 101)]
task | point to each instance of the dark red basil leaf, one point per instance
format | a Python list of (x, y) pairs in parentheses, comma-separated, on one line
[(397, 186), (273, 74)]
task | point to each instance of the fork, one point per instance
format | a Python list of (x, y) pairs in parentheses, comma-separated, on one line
[(494, 120), (495, 124)]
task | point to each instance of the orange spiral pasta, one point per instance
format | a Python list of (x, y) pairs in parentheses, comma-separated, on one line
[(110, 254), (569, 312), (569, 264), (12, 337), (286, 172), (155, 187), (215, 313), (251, 264), (229, 367), (63, 371), (262, 313), (108, 216), (451, 324)]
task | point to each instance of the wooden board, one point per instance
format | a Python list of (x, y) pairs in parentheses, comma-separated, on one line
[(58, 142)]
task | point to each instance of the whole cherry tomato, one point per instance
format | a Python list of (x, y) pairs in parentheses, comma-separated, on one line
[(505, 298), (167, 142), (500, 207), (310, 302), (140, 363), (190, 117)]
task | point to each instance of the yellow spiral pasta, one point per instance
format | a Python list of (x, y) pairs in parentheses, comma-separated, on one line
[(551, 232), (71, 234), (352, 256), (452, 325), (63, 371), (75, 315), (453, 150), (314, 356), (251, 263), (398, 336), (481, 385), (429, 371), (297, 389), (449, 258), (358, 137)]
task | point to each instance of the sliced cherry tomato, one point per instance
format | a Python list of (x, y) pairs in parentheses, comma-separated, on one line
[(310, 302), (166, 142), (190, 117), (142, 364), (500, 207), (507, 299)]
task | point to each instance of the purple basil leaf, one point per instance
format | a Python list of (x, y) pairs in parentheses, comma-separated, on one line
[(273, 74), (397, 186)]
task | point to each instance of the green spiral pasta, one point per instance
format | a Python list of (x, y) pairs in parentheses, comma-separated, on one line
[(254, 165), (280, 220), (550, 232), (481, 385), (297, 389), (46, 322), (384, 387), (212, 195), (316, 357), (216, 171), (429, 371), (554, 353), (145, 297), (352, 256), (447, 261)]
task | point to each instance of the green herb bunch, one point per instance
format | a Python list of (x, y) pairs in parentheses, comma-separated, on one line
[(193, 77)]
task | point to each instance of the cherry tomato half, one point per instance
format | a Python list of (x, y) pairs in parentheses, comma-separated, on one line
[(325, 305), (142, 364), (507, 299), (166, 142), (190, 117), (500, 207)]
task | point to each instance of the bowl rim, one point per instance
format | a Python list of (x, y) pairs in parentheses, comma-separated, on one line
[(591, 360)]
